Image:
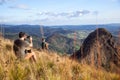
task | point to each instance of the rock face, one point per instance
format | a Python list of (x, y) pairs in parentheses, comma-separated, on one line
[(99, 49)]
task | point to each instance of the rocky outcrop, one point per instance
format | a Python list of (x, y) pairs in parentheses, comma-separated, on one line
[(99, 49)]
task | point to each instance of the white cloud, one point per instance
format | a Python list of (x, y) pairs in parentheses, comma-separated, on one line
[(20, 6), (79, 13), (5, 19), (4, 1), (65, 14), (95, 13)]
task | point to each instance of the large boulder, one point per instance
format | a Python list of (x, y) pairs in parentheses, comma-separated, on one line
[(99, 49)]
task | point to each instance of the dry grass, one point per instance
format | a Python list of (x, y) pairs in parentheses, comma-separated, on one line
[(49, 66)]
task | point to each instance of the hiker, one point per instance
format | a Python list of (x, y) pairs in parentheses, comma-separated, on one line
[(22, 47), (44, 44)]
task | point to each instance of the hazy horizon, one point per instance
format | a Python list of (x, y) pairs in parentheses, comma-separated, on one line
[(60, 24)]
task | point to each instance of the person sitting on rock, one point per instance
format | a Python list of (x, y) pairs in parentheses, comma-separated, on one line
[(22, 47)]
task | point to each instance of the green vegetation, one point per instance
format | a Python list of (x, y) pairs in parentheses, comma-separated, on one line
[(64, 40), (80, 34)]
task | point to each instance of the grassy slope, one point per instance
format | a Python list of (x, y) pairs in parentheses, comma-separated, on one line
[(49, 66)]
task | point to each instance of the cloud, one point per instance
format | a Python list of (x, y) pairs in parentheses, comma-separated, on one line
[(79, 13), (41, 20), (20, 6), (65, 14), (4, 19), (4, 1), (95, 12)]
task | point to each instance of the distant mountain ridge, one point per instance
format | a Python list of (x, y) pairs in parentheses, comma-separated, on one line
[(65, 31)]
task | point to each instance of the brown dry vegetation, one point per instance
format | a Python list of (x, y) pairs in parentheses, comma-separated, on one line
[(49, 66)]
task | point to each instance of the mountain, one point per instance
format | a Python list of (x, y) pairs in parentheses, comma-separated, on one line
[(62, 44), (99, 49), (67, 31), (11, 32)]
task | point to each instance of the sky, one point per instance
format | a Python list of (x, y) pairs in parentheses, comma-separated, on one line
[(59, 12)]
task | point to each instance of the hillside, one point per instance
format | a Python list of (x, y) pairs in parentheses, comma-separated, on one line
[(50, 35), (67, 31), (49, 66), (62, 44)]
